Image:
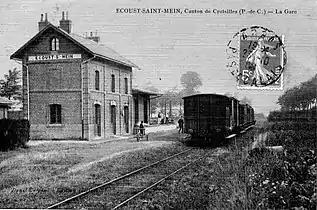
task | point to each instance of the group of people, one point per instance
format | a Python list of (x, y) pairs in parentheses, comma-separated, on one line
[(161, 119), (180, 126)]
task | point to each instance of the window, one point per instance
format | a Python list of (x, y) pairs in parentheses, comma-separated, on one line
[(126, 85), (54, 44), (97, 79), (113, 83), (55, 114)]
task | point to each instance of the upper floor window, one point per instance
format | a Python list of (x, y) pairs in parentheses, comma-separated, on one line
[(97, 79), (126, 85), (55, 114), (54, 44), (113, 83)]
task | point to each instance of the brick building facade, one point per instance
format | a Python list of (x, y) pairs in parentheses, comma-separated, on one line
[(74, 87)]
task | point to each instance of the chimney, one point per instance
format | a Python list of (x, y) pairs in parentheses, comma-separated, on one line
[(43, 23), (93, 38), (65, 24)]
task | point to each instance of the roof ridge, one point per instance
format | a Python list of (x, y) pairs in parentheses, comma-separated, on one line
[(89, 45)]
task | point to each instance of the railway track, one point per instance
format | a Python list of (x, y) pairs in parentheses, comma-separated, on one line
[(155, 184), (66, 202)]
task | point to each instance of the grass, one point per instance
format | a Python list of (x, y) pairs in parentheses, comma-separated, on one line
[(244, 179), (216, 182), (43, 174), (236, 179)]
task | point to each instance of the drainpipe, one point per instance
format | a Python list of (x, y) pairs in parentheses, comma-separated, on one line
[(82, 98), (104, 100), (28, 86), (120, 111)]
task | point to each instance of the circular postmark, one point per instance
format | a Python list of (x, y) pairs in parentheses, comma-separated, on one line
[(256, 57)]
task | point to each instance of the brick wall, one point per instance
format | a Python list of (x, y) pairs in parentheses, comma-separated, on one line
[(53, 82), (71, 84), (104, 97), (96, 97), (119, 97), (70, 115)]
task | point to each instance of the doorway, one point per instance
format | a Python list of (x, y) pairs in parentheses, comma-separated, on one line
[(126, 118), (113, 119), (97, 120)]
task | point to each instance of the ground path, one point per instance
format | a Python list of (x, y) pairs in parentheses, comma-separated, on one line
[(92, 152)]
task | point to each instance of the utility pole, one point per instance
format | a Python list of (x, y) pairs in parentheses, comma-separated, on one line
[(170, 115), (165, 106)]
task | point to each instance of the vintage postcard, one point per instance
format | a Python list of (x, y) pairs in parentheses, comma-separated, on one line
[(145, 104)]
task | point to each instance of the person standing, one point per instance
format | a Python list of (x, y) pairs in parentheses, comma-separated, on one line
[(142, 128), (181, 125), (159, 118)]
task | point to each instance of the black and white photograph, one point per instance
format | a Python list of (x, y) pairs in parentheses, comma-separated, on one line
[(144, 104)]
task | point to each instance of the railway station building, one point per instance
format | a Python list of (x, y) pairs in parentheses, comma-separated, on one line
[(76, 88), (142, 103)]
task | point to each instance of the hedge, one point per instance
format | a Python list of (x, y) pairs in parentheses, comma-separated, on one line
[(303, 116), (14, 133)]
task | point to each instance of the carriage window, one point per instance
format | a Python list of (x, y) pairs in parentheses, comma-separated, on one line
[(54, 44), (55, 114)]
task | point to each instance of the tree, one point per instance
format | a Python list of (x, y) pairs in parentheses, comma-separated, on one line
[(191, 81), (10, 86), (245, 100), (301, 97), (235, 94)]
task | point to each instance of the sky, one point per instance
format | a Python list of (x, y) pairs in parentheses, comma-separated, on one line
[(167, 45)]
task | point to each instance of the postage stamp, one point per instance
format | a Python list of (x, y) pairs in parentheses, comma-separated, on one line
[(257, 58)]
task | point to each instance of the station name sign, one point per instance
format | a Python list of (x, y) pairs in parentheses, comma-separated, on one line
[(54, 57)]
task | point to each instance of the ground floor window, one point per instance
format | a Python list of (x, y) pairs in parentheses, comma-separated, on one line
[(55, 114)]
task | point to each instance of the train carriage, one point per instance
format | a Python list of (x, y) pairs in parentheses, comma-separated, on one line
[(207, 115), (211, 117)]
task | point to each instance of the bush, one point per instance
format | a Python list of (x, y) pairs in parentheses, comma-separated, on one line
[(287, 181), (14, 133), (303, 115), (293, 125)]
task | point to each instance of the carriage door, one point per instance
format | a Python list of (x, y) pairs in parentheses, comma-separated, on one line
[(97, 120), (113, 119), (126, 118), (228, 117)]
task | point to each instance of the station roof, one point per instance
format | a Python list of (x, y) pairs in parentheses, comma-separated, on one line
[(146, 92), (96, 49)]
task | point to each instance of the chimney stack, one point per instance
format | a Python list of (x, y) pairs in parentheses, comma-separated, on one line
[(65, 24), (93, 38), (43, 23)]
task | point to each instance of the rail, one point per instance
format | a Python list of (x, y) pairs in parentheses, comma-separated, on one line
[(156, 183), (115, 180)]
